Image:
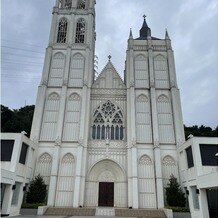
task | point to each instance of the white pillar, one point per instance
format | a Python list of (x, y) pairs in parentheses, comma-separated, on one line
[(78, 176), (6, 205), (54, 25), (203, 204), (134, 178), (53, 177), (157, 154)]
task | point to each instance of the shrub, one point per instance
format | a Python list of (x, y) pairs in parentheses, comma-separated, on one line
[(32, 206), (174, 195), (37, 191)]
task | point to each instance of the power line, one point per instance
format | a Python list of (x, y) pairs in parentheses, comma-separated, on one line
[(15, 48), (22, 43), (21, 63), (19, 55)]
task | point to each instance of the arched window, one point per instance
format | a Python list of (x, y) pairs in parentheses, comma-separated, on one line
[(62, 31), (65, 4), (81, 4), (80, 31), (108, 122)]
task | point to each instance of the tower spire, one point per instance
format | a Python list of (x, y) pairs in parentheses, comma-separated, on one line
[(166, 34), (130, 34), (145, 31)]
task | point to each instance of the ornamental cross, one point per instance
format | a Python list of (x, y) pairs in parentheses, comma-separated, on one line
[(109, 57), (144, 16)]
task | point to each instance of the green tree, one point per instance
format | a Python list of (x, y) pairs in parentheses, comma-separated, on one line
[(174, 195), (17, 120), (37, 191)]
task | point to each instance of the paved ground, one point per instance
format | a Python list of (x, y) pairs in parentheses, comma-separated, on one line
[(35, 216)]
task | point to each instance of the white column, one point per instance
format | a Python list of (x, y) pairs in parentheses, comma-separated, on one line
[(157, 154), (135, 178), (54, 25), (78, 176), (203, 204), (53, 177), (6, 205), (154, 117), (177, 115)]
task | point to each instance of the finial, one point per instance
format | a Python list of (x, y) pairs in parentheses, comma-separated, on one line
[(130, 34), (109, 57), (144, 16), (167, 35)]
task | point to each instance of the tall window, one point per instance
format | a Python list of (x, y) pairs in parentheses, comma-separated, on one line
[(80, 31), (81, 4), (189, 157), (108, 122), (65, 4), (62, 31)]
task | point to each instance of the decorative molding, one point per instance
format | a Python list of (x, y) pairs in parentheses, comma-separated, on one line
[(74, 97), (45, 158), (159, 48), (168, 161), (156, 144), (142, 98), (44, 82), (145, 160), (65, 82), (106, 176), (110, 92), (68, 159), (54, 96), (58, 142), (163, 99)]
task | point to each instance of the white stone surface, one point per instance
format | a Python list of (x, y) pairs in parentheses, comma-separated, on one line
[(68, 97)]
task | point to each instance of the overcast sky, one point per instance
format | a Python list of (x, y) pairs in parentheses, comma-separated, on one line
[(192, 26)]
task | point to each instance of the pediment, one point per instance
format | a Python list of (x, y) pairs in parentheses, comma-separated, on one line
[(109, 78)]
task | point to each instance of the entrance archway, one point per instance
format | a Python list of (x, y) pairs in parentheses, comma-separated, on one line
[(106, 185)]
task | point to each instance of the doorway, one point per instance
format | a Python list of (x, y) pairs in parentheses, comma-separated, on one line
[(106, 194)]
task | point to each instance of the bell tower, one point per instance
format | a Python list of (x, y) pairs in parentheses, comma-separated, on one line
[(63, 98)]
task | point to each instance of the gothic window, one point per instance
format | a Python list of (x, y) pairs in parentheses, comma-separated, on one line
[(80, 31), (65, 4), (108, 122), (62, 31), (81, 4)]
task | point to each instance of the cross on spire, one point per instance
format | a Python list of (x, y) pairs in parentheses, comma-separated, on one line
[(109, 57), (144, 16)]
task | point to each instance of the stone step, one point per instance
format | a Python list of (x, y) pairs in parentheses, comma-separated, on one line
[(69, 211), (140, 213), (105, 211)]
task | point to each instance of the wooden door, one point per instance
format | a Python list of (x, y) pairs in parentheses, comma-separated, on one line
[(106, 194)]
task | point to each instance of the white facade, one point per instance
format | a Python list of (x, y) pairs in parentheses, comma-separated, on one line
[(16, 173), (89, 132), (200, 179)]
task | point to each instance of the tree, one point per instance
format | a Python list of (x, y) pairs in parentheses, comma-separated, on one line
[(174, 195), (37, 191), (17, 120)]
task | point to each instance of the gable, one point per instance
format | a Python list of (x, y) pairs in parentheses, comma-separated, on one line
[(109, 78)]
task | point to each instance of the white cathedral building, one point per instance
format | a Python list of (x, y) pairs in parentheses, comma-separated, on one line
[(104, 141)]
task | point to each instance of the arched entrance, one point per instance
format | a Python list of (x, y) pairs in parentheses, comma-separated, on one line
[(106, 185)]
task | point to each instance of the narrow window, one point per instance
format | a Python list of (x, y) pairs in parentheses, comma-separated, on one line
[(121, 133), (117, 133), (98, 132), (103, 132), (62, 31), (189, 157), (93, 132), (80, 31), (68, 3), (112, 133), (81, 4), (23, 153), (6, 149)]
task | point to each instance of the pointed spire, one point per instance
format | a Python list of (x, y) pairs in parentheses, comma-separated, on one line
[(130, 34), (145, 31), (167, 35)]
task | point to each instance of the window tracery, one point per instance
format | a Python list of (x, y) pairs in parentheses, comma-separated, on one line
[(65, 3), (80, 31), (62, 31), (108, 122), (81, 4)]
